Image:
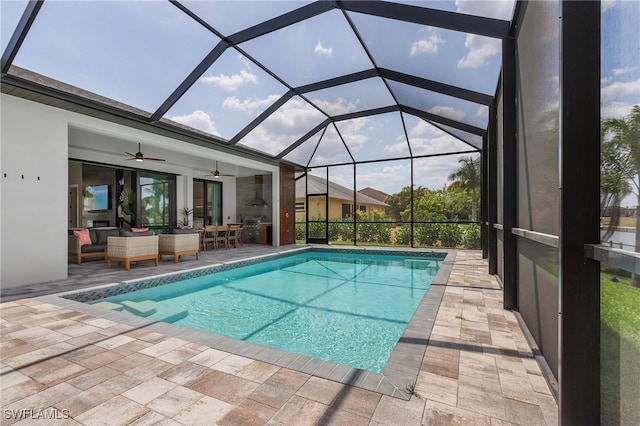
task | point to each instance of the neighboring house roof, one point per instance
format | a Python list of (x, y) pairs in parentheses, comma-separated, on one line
[(374, 193), (318, 185)]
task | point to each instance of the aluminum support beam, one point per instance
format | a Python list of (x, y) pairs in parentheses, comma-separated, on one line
[(510, 173), (579, 277), (491, 188)]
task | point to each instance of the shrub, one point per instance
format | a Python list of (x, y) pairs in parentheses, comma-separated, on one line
[(426, 234), (450, 235), (300, 231), (375, 229), (341, 228), (403, 235), (471, 238)]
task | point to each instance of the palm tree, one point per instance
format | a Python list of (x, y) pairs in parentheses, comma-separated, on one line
[(469, 178), (616, 173), (621, 147)]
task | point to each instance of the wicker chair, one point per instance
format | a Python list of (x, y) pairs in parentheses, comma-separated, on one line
[(177, 245), (81, 251), (132, 249)]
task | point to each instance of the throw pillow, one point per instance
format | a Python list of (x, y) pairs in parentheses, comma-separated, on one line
[(84, 236), (139, 229)]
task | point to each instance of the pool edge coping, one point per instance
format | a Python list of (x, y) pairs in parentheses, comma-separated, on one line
[(396, 379)]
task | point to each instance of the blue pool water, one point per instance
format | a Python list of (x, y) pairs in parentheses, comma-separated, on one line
[(346, 308)]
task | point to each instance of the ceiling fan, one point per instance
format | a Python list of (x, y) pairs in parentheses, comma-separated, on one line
[(217, 173), (138, 156)]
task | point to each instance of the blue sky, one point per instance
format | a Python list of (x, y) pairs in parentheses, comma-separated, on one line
[(155, 46)]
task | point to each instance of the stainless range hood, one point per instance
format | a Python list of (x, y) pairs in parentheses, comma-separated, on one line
[(258, 200)]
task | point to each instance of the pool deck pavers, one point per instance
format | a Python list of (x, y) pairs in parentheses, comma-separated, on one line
[(72, 368)]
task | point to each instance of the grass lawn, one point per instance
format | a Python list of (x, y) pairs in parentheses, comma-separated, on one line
[(619, 351), (620, 307)]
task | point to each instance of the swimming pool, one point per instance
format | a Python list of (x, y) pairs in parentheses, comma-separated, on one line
[(348, 308)]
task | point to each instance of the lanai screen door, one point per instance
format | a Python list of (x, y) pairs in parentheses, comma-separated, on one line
[(317, 214)]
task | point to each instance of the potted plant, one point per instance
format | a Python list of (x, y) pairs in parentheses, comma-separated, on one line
[(186, 212), (129, 208)]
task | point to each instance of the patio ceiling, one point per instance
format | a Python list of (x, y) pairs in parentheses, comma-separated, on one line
[(324, 82)]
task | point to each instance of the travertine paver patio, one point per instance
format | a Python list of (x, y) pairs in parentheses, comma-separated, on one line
[(80, 369)]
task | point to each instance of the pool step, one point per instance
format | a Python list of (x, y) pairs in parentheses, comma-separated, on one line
[(109, 305), (168, 313), (143, 308), (149, 309)]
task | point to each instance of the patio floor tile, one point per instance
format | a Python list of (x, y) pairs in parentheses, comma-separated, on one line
[(175, 401), (116, 411), (249, 412), (149, 390), (300, 411), (478, 368), (392, 411), (204, 411), (223, 386)]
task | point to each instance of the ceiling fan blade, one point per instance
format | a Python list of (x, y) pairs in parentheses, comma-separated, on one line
[(153, 159), (128, 153)]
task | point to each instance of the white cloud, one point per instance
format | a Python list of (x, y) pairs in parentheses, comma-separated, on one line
[(448, 112), (230, 83), (389, 178), (351, 132), (320, 50), (427, 45), (295, 114), (607, 4), (434, 173), (340, 106), (423, 128), (436, 145), (619, 89), (481, 49), (198, 120), (400, 147), (620, 71), (482, 111), (615, 110), (283, 127), (249, 105)]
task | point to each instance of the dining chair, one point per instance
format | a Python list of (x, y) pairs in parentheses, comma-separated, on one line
[(235, 235), (222, 235), (209, 236)]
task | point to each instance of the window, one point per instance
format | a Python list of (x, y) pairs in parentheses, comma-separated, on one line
[(347, 210)]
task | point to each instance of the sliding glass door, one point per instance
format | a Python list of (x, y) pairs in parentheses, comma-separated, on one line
[(157, 192), (207, 203)]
